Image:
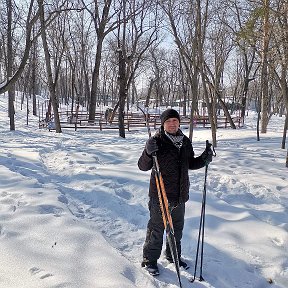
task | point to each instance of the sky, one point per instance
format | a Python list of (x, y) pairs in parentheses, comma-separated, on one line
[(73, 208)]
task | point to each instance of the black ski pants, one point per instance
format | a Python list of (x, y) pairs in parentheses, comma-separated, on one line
[(155, 230)]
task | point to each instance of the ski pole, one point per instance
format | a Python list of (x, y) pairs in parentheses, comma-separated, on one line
[(202, 223), (166, 216)]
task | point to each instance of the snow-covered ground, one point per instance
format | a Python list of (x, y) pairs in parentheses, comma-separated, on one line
[(73, 209)]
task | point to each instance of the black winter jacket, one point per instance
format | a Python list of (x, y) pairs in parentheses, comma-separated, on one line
[(174, 165)]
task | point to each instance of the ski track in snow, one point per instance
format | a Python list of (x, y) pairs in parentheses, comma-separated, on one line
[(261, 199), (88, 199)]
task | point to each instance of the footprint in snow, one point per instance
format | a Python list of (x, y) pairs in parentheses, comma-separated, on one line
[(51, 209), (2, 233), (123, 193), (278, 241), (46, 276), (12, 201), (36, 270), (63, 199), (279, 188)]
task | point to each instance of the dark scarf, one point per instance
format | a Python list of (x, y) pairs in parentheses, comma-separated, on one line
[(177, 139)]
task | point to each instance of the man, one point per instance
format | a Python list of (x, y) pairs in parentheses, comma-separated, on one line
[(175, 156)]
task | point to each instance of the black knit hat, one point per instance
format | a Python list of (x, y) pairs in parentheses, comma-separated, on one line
[(169, 113)]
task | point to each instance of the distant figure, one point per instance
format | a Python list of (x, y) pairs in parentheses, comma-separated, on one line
[(47, 117), (108, 114)]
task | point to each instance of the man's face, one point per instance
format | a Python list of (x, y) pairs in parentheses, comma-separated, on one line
[(171, 125)]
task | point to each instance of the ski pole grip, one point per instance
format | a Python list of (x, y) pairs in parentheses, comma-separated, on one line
[(154, 154), (208, 145)]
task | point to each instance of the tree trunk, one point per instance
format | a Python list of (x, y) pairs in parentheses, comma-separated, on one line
[(287, 159), (122, 93), (11, 91), (34, 79), (147, 101), (244, 98), (51, 84), (194, 88), (95, 80), (101, 34), (200, 37), (225, 110), (284, 88), (258, 101), (264, 74), (285, 132)]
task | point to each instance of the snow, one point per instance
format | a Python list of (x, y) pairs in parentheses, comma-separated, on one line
[(74, 209)]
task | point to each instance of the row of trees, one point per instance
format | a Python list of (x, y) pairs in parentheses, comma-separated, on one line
[(83, 52)]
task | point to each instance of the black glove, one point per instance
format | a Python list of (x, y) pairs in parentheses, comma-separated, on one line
[(151, 146), (207, 155)]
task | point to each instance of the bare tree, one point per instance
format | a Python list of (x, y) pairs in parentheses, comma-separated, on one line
[(280, 38), (34, 82), (183, 25), (135, 36), (265, 104), (188, 24), (32, 17), (245, 42), (11, 90), (219, 45), (77, 53), (157, 70), (57, 60), (104, 22)]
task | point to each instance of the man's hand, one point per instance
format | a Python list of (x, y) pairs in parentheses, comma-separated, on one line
[(151, 146), (207, 155)]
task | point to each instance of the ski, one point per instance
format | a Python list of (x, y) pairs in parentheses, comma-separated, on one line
[(166, 216)]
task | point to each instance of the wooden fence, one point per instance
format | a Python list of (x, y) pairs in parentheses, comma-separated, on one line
[(132, 121)]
